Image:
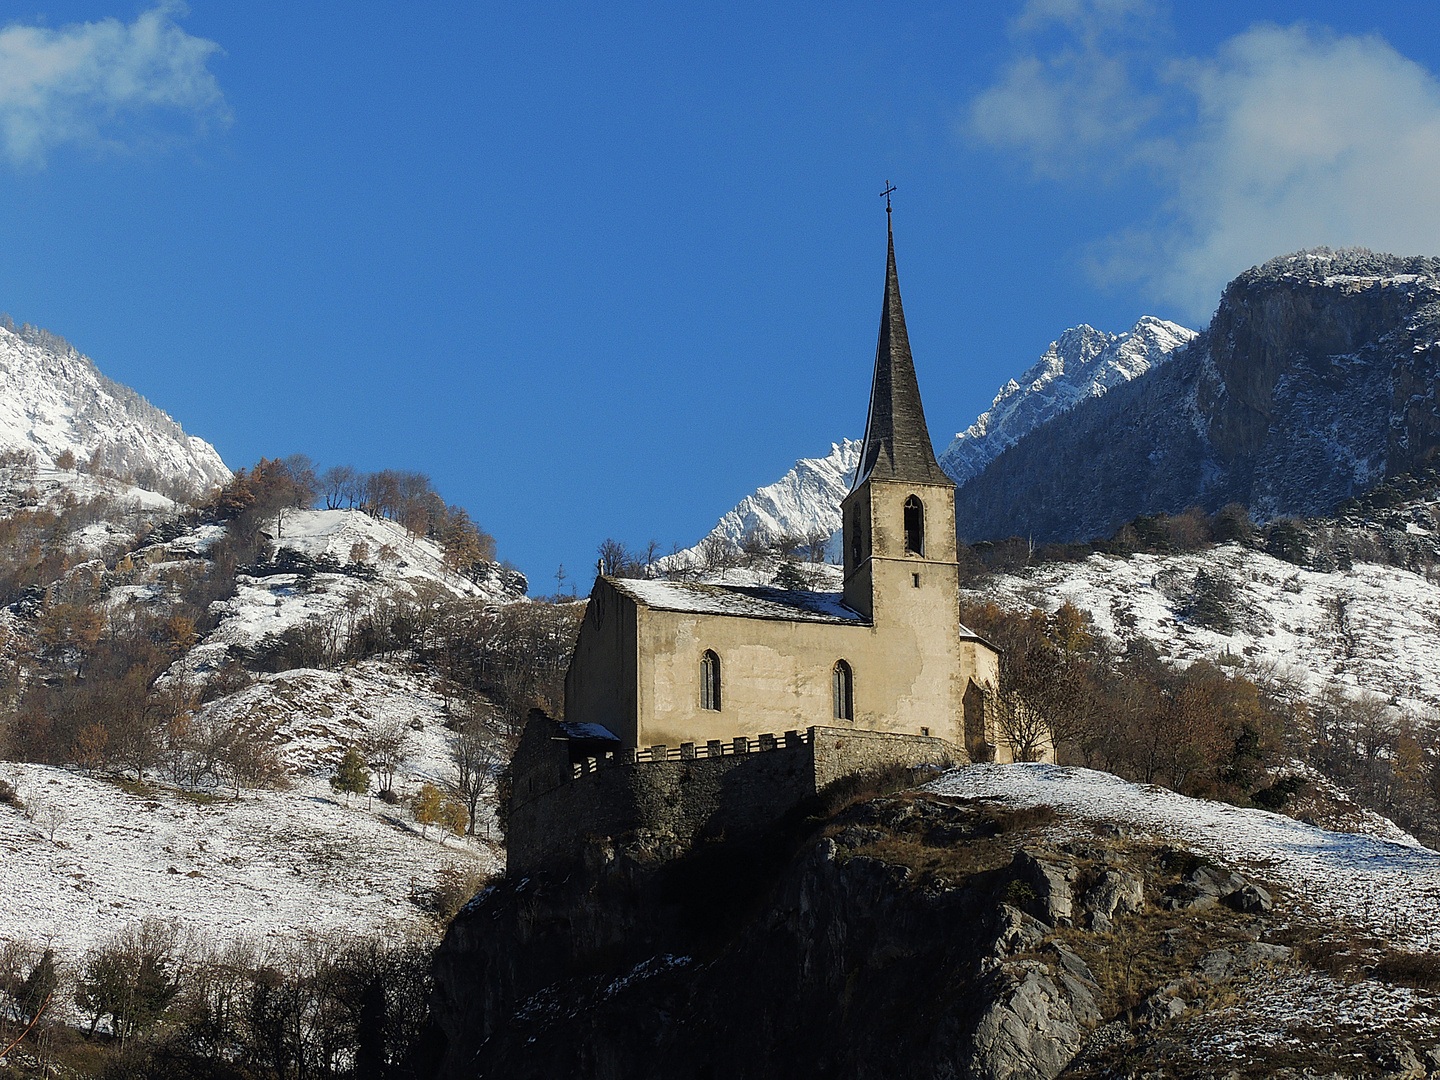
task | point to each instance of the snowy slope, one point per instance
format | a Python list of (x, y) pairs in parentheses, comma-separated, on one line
[(1389, 887), (274, 603), (52, 399), (270, 864), (1083, 363), (1375, 628), (804, 502)]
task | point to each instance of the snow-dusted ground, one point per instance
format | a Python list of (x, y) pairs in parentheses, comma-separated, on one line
[(273, 604), (317, 714), (52, 399), (1375, 628), (272, 864), (1388, 886), (44, 487)]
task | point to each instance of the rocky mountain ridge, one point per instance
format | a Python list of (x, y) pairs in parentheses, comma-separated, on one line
[(1316, 378), (1082, 363), (804, 503)]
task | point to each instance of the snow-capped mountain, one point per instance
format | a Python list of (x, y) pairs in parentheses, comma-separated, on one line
[(1083, 363), (53, 399), (805, 502), (1318, 375)]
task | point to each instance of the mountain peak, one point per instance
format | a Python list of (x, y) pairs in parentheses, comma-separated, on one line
[(1081, 363)]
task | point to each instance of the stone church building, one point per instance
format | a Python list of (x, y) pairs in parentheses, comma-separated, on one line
[(673, 663)]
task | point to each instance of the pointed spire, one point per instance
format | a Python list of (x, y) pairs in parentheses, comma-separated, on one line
[(897, 442)]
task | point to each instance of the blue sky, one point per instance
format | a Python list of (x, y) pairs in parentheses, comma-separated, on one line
[(601, 270)]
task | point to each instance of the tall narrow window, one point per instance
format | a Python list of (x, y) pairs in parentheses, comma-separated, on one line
[(914, 526), (855, 538), (842, 682), (710, 681)]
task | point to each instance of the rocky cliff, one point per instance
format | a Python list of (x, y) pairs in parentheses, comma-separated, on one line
[(916, 935), (1315, 378)]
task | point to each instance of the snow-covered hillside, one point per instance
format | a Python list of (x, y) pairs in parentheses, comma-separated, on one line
[(270, 864), (805, 503), (1384, 885), (271, 603), (52, 399), (1374, 628), (1083, 363)]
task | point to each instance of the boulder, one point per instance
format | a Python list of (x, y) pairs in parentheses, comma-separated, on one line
[(1116, 893), (1017, 931), (1028, 1030), (1250, 898), (1396, 1058), (1050, 878)]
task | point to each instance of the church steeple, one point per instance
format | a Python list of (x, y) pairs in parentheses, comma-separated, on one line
[(897, 442)]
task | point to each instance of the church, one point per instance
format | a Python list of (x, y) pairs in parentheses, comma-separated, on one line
[(666, 663)]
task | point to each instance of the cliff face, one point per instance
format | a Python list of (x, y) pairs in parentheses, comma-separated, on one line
[(1316, 378), (910, 937)]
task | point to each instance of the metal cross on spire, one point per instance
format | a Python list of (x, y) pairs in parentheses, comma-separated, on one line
[(889, 187)]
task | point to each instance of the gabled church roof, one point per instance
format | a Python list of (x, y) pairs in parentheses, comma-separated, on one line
[(897, 442), (742, 601)]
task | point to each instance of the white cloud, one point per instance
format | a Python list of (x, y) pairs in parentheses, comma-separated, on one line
[(102, 83), (1288, 137)]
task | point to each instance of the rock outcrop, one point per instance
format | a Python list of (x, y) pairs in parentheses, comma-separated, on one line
[(1316, 378), (907, 937)]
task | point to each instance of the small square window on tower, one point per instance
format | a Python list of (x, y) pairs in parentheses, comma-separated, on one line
[(915, 580)]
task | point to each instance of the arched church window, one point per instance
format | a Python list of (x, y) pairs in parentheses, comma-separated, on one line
[(914, 526), (842, 682), (855, 538), (710, 681)]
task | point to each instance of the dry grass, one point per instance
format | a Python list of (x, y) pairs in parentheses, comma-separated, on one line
[(1418, 970)]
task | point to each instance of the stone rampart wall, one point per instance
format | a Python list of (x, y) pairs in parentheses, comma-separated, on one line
[(838, 752), (702, 793)]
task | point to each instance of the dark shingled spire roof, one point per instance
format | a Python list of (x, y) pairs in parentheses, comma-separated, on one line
[(897, 442)]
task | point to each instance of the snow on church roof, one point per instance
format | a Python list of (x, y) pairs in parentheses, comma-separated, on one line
[(745, 601)]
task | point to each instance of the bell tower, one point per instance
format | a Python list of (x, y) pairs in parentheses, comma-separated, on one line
[(899, 517)]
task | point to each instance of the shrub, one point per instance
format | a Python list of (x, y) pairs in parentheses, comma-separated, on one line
[(1420, 970), (1212, 602), (1287, 540), (1019, 894), (9, 796), (1279, 793)]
